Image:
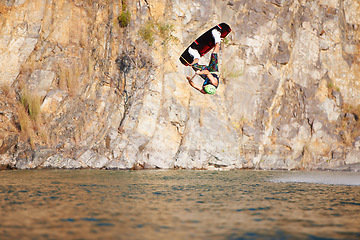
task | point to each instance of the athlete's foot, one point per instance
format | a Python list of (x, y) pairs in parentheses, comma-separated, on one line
[(216, 35), (194, 53)]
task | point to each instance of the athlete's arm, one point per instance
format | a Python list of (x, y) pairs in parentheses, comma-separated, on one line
[(213, 80)]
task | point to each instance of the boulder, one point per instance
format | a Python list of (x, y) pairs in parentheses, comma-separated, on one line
[(52, 101)]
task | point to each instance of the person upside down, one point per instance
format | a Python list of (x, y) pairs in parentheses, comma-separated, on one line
[(209, 73)]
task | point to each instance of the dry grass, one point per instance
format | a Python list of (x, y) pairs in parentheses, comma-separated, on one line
[(91, 62), (69, 78), (26, 125), (6, 90), (31, 103), (32, 123)]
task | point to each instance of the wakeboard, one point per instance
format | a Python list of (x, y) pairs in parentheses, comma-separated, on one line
[(204, 43)]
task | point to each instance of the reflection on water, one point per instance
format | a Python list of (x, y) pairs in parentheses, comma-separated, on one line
[(94, 204), (326, 177)]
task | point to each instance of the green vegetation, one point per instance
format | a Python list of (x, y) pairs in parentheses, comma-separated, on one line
[(157, 30), (31, 103), (232, 71), (226, 41), (124, 19), (147, 33), (331, 86), (165, 32), (125, 16)]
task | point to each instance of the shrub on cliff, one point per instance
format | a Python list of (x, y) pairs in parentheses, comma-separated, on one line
[(125, 16)]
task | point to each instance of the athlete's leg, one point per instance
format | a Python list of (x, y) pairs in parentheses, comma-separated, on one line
[(214, 60), (213, 65), (199, 67), (216, 48)]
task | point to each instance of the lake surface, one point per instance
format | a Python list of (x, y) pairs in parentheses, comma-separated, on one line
[(96, 204)]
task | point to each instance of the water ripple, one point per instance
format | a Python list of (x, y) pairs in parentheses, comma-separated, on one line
[(94, 204)]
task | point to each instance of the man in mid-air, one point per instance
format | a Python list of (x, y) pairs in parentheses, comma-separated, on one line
[(209, 73)]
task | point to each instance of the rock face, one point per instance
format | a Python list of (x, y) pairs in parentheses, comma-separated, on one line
[(98, 84)]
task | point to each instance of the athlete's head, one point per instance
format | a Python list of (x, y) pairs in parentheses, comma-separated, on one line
[(209, 89)]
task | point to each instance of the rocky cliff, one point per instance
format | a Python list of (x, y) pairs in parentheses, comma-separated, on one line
[(98, 84)]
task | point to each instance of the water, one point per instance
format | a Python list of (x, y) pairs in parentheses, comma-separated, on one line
[(95, 204)]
